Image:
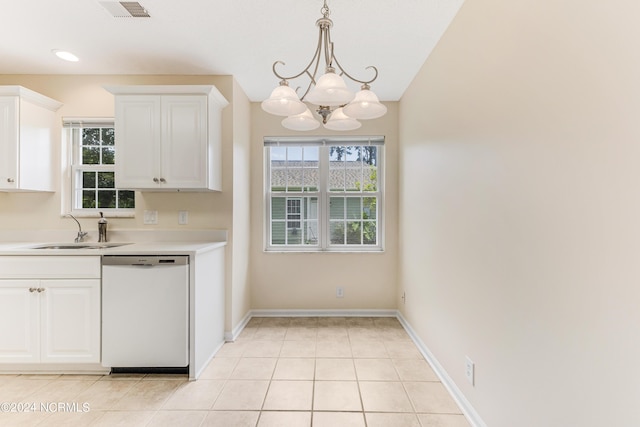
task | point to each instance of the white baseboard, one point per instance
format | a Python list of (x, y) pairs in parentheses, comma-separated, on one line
[(472, 416), (323, 313), (230, 336), (195, 375), (54, 368)]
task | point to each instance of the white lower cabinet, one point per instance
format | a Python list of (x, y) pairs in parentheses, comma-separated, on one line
[(46, 320), (70, 321), (19, 321)]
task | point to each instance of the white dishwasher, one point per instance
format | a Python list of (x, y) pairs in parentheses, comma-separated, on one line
[(145, 313)]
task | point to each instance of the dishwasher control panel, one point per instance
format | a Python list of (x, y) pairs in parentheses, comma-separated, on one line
[(145, 259)]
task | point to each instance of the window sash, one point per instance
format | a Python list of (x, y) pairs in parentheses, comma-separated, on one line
[(356, 224), (74, 132), (370, 226), (291, 229)]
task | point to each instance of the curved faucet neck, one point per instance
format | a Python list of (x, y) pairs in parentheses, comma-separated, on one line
[(81, 234)]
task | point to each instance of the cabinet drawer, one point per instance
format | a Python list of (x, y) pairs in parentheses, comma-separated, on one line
[(49, 267)]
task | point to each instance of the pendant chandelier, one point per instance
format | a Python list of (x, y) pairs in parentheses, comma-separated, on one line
[(339, 108)]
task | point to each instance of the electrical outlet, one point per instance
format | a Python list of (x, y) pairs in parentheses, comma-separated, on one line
[(183, 217), (469, 370), (150, 217), (339, 292)]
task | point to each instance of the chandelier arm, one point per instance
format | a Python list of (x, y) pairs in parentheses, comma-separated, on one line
[(364, 82), (312, 81), (315, 58), (328, 49), (273, 68), (312, 76)]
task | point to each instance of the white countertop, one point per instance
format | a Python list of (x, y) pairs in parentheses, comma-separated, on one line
[(134, 242), (144, 248)]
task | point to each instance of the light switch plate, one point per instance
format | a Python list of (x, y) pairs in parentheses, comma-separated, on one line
[(183, 217)]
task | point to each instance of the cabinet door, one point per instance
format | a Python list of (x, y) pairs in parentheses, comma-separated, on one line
[(19, 321), (8, 142), (184, 144), (70, 321), (138, 133)]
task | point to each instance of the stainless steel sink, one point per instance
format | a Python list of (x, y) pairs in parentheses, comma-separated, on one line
[(79, 245)]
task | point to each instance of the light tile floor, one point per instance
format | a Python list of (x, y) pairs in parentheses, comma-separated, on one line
[(281, 372)]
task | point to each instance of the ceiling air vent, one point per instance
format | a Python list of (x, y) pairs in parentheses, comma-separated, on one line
[(125, 9)]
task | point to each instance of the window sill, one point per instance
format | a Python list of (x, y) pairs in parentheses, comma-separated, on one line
[(107, 213), (324, 251)]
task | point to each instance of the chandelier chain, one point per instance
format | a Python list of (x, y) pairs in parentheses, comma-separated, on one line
[(325, 10)]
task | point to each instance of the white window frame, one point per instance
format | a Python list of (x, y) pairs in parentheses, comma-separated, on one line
[(323, 194), (72, 161)]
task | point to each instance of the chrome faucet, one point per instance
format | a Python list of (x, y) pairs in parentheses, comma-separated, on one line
[(81, 234), (102, 229)]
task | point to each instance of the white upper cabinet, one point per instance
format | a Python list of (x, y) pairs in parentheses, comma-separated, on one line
[(168, 137), (27, 125)]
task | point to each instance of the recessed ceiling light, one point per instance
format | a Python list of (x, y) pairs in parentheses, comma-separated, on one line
[(67, 56)]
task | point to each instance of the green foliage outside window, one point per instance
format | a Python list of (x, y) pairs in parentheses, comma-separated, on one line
[(359, 225), (97, 148)]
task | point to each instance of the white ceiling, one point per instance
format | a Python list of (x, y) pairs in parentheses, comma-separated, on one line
[(242, 38)]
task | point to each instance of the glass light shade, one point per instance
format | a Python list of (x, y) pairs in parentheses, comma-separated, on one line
[(365, 106), (330, 90), (301, 122), (340, 121), (283, 102)]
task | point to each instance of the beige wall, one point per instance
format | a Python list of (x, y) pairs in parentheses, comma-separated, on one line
[(520, 238), (240, 294), (84, 96), (309, 280)]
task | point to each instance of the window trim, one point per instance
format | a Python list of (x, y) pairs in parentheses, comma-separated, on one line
[(323, 194), (71, 168)]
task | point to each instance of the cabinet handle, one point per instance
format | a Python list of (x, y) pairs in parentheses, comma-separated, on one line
[(156, 180), (32, 290), (162, 180), (41, 290), (11, 180)]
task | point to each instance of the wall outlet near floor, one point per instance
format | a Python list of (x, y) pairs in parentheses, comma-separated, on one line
[(469, 368), (183, 217), (339, 292)]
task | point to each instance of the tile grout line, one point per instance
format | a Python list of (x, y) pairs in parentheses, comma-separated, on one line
[(353, 362)]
